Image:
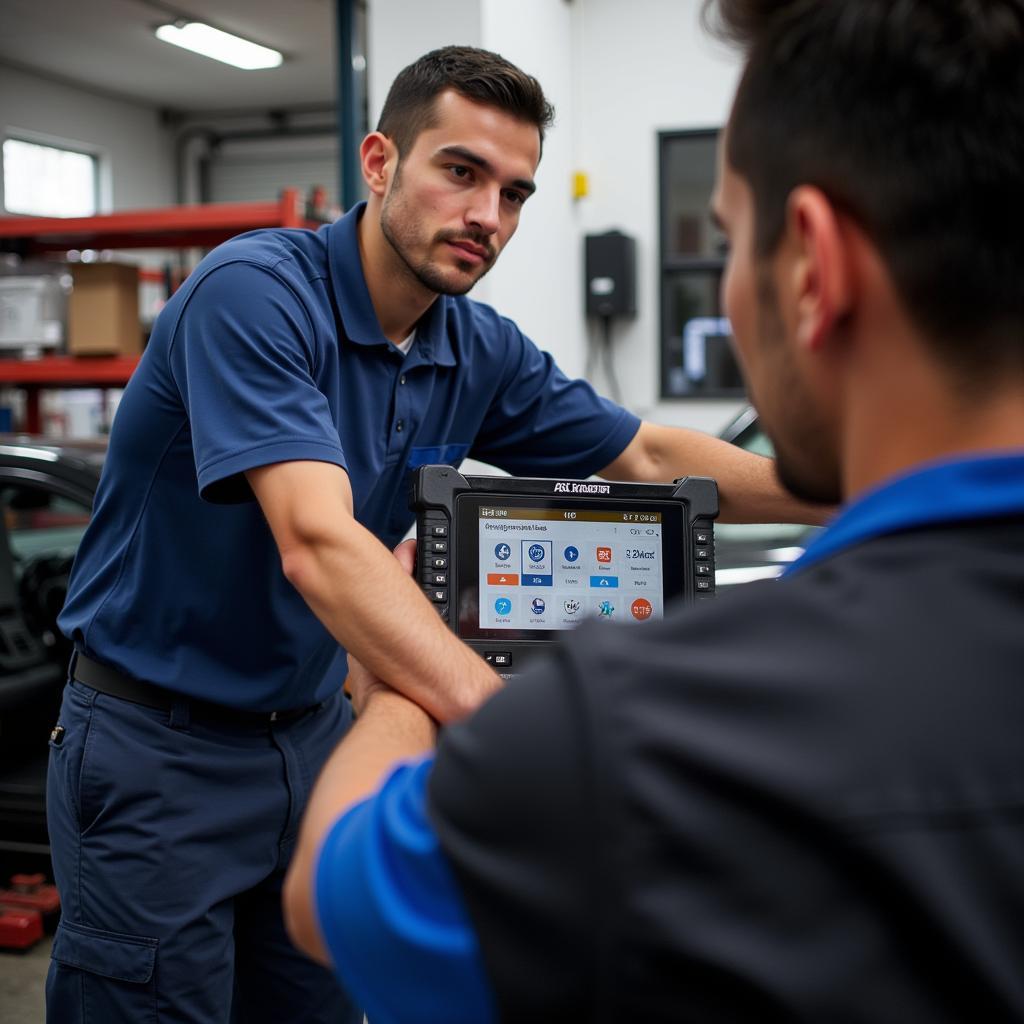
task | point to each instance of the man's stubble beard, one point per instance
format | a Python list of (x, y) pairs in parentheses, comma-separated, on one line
[(398, 225), (806, 459)]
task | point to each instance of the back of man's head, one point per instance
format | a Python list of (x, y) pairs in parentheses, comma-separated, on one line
[(909, 116), (478, 75)]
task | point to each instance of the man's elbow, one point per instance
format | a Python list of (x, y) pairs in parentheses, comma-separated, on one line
[(299, 915), (308, 546), (298, 563)]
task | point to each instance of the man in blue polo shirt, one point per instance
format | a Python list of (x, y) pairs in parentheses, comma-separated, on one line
[(804, 801), (240, 546)]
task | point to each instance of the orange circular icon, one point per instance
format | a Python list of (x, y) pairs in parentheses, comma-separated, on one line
[(641, 608)]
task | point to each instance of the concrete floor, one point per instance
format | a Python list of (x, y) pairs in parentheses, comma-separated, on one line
[(22, 980)]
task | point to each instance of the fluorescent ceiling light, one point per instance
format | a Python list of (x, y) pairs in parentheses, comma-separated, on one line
[(222, 46)]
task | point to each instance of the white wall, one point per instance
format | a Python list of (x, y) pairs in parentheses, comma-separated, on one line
[(653, 69), (538, 280), (399, 31), (617, 74), (136, 156)]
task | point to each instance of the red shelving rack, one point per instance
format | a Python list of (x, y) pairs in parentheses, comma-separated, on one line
[(169, 227), (173, 227)]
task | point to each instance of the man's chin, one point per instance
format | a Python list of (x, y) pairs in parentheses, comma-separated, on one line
[(822, 489), (457, 281)]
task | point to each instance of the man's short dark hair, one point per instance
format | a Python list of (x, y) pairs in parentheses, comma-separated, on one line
[(478, 75), (909, 115)]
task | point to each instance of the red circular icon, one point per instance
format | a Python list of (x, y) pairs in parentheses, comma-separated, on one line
[(641, 608)]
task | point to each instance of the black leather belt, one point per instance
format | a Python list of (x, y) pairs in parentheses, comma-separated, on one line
[(108, 680)]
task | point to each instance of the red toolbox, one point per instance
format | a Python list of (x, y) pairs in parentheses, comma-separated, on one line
[(19, 929), (31, 893)]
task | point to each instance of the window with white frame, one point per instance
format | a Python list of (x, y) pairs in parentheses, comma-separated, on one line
[(48, 181)]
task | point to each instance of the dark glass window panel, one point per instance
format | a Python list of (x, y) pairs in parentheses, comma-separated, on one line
[(696, 352), (697, 356), (688, 178)]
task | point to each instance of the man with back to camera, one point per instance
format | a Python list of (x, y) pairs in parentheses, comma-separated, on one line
[(803, 801), (309, 371)]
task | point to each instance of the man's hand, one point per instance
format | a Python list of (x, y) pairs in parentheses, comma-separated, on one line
[(363, 685), (406, 555)]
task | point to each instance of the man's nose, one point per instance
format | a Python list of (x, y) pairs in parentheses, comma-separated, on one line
[(484, 211)]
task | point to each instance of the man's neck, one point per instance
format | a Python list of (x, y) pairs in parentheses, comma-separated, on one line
[(923, 417), (399, 300)]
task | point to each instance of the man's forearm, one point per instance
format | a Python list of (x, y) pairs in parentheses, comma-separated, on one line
[(376, 610), (748, 487), (361, 594), (389, 730)]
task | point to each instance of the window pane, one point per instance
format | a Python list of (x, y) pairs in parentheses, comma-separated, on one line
[(48, 182), (696, 350), (689, 170)]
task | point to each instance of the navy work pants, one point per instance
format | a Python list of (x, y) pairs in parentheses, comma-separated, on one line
[(170, 839)]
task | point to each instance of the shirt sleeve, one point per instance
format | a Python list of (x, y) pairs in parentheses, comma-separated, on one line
[(542, 423), (391, 914), (514, 800), (243, 359)]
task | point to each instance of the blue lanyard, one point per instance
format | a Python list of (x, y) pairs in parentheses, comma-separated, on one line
[(979, 487)]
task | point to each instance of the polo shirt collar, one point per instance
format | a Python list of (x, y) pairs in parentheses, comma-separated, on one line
[(356, 308), (950, 491)]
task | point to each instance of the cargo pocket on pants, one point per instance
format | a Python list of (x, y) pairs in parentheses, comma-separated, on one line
[(101, 976)]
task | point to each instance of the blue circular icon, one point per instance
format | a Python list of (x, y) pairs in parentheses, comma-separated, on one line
[(501, 552), (571, 554), (537, 606), (503, 605), (536, 553)]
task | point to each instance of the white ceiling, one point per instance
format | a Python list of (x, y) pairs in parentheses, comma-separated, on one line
[(109, 46)]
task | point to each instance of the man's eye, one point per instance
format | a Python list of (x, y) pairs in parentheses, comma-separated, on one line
[(515, 197), (459, 171)]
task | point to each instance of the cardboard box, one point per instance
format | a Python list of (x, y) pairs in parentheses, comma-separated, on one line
[(103, 310)]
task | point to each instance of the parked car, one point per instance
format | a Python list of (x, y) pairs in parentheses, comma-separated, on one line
[(46, 494), (755, 551)]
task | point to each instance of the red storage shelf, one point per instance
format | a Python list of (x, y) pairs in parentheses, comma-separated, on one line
[(172, 227), (63, 372), (69, 371), (168, 227)]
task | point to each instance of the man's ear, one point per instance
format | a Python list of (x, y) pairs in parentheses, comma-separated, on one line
[(822, 271), (377, 156)]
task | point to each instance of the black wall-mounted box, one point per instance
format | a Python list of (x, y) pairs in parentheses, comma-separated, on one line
[(610, 274)]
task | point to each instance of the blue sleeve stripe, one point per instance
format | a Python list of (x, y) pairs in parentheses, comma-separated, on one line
[(391, 914)]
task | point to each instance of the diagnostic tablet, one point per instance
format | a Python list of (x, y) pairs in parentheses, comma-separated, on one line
[(510, 563)]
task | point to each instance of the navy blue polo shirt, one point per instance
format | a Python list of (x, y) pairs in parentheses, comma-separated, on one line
[(271, 352)]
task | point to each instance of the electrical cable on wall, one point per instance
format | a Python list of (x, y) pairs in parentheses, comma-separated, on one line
[(608, 356), (609, 291)]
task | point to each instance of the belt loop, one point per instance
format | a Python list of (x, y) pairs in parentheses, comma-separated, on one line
[(72, 662), (181, 717)]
